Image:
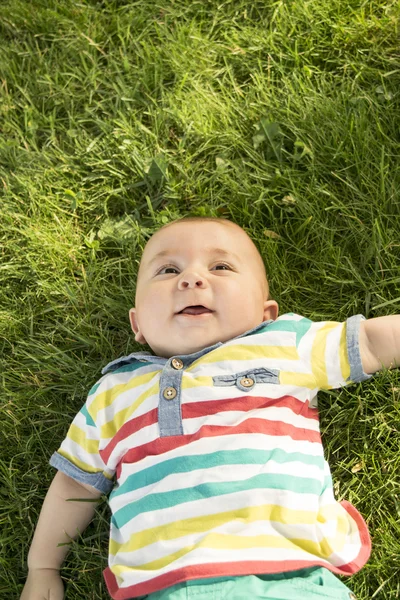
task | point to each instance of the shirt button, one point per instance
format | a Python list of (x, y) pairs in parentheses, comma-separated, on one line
[(177, 363), (247, 382), (352, 596), (169, 393)]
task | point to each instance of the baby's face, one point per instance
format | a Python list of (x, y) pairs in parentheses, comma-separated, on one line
[(203, 263)]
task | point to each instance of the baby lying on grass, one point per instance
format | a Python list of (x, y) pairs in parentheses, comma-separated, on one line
[(210, 446)]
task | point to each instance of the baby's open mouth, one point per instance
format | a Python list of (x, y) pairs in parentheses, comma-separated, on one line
[(194, 310)]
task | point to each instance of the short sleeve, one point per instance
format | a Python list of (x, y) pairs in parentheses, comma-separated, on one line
[(332, 352), (79, 455)]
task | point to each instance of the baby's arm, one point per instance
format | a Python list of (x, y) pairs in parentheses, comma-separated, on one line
[(59, 521), (380, 343)]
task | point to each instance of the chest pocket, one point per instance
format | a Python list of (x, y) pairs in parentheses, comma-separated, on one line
[(246, 380)]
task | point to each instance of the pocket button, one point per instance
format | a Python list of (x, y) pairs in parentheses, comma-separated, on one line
[(247, 382)]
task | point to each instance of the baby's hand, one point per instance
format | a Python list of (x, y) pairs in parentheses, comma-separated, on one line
[(43, 584)]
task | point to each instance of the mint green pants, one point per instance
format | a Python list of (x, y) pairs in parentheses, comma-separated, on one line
[(315, 583)]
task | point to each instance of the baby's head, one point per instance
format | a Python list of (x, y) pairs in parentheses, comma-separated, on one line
[(199, 261)]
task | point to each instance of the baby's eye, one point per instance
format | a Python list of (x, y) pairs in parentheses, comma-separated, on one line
[(175, 269), (162, 269)]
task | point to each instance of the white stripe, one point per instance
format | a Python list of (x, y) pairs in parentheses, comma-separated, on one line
[(74, 449), (109, 380), (269, 391), (332, 357), (207, 445), (231, 367), (307, 343), (218, 474), (94, 460), (209, 506), (157, 550), (89, 431), (128, 397), (210, 555), (235, 417), (134, 576), (290, 317), (268, 337)]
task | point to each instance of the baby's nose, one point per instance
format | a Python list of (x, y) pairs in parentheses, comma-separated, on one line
[(191, 281)]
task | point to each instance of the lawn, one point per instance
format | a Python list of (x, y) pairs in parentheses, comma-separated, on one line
[(117, 117)]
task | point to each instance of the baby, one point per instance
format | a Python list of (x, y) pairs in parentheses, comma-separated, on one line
[(221, 488)]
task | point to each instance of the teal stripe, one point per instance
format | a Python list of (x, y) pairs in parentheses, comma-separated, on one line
[(153, 502), (300, 328), (89, 420), (186, 464), (328, 483), (127, 368), (94, 388)]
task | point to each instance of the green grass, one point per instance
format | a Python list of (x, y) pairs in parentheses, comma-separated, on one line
[(117, 117)]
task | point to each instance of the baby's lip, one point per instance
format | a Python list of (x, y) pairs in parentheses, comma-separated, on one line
[(191, 305)]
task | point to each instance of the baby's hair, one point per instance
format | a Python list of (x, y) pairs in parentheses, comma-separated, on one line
[(228, 223), (198, 219)]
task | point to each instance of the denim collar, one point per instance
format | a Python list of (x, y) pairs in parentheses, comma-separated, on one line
[(187, 359)]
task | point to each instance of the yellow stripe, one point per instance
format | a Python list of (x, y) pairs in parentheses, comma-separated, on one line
[(216, 541), (230, 542), (78, 436), (243, 353), (109, 429), (318, 362), (106, 398), (297, 379), (199, 381), (266, 512), (344, 361), (82, 465)]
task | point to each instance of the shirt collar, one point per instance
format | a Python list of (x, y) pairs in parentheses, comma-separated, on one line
[(186, 358)]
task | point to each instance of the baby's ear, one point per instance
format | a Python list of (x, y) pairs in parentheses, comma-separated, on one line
[(271, 310), (135, 327)]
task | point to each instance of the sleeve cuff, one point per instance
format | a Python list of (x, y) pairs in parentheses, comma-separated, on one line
[(353, 349), (96, 480)]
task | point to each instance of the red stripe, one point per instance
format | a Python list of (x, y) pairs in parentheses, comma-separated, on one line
[(246, 404), (165, 444), (366, 545), (211, 407), (231, 569), (131, 426)]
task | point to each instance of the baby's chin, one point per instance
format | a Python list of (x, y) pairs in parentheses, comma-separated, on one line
[(168, 352), (185, 349)]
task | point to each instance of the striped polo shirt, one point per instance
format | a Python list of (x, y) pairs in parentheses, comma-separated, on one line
[(214, 459)]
